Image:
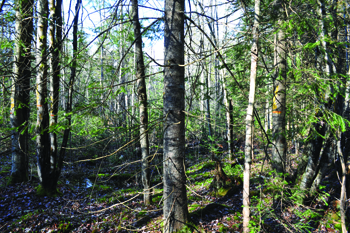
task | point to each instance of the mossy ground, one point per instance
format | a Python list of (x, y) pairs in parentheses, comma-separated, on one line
[(40, 191), (209, 210)]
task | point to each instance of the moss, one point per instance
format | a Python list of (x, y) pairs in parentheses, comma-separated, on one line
[(4, 172), (222, 228), (157, 198), (119, 178), (188, 228), (26, 216), (223, 191), (129, 190), (201, 167), (141, 213), (7, 168), (40, 191), (103, 187), (337, 226), (193, 207), (206, 183), (157, 179), (194, 198)]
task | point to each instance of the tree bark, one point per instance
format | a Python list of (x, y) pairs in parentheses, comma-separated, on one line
[(42, 124), (142, 96), (121, 105), (73, 68), (229, 122), (279, 103), (250, 119), (20, 93), (312, 151), (55, 48), (343, 188), (175, 199)]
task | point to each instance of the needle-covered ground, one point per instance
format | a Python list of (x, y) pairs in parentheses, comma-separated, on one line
[(98, 197)]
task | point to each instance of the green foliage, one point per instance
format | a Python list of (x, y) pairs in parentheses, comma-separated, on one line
[(188, 228), (65, 227), (276, 190), (235, 171)]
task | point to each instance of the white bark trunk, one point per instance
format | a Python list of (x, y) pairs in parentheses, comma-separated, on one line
[(249, 120)]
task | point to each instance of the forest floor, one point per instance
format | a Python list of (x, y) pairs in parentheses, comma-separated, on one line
[(106, 197)]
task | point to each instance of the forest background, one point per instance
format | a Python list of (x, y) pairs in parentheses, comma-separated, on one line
[(242, 125)]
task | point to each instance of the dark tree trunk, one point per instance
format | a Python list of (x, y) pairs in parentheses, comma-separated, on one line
[(20, 93), (175, 199), (142, 96), (312, 152), (71, 80)]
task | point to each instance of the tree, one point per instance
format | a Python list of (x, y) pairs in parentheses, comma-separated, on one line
[(55, 34), (73, 67), (250, 119), (20, 93), (175, 200), (142, 96), (42, 124), (49, 162), (279, 100)]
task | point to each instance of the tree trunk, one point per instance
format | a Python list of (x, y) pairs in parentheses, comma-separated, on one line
[(175, 199), (343, 188), (250, 120), (229, 122), (42, 125), (20, 93), (279, 103), (121, 105), (142, 96), (312, 152), (315, 171), (73, 68), (55, 48), (207, 101), (345, 138), (327, 157)]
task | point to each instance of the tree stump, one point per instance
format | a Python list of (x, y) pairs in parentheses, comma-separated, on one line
[(221, 180)]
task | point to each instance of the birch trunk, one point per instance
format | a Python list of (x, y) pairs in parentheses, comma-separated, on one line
[(250, 120), (229, 122)]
